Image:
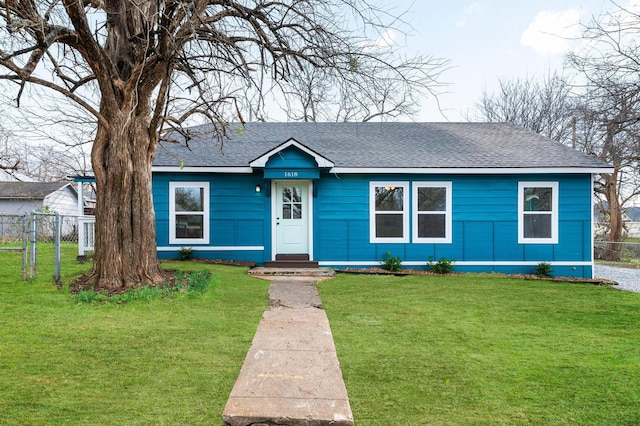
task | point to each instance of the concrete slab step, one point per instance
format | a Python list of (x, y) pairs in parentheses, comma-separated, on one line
[(269, 273)]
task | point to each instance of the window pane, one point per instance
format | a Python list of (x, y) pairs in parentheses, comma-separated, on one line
[(389, 226), (538, 199), (296, 195), (297, 211), (431, 226), (189, 226), (537, 226), (389, 198), (286, 211), (286, 195), (432, 199), (189, 199)]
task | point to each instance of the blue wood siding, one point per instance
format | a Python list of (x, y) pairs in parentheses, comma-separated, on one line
[(239, 216), (484, 221), (485, 224)]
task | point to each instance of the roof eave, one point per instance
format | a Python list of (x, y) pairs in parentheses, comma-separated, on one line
[(472, 170)]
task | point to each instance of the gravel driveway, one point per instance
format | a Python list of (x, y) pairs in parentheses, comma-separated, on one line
[(627, 278)]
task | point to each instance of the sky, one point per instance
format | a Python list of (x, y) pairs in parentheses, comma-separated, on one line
[(489, 40)]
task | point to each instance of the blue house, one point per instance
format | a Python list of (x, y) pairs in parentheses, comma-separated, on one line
[(491, 196)]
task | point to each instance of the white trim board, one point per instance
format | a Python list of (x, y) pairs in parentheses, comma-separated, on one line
[(463, 263), (212, 248)]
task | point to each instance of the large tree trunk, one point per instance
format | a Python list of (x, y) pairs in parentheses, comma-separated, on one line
[(125, 243), (615, 217)]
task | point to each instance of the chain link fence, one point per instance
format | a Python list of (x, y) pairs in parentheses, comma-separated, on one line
[(47, 243), (629, 252), (44, 241)]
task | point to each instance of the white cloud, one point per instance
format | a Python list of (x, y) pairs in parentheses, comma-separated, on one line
[(551, 32), (468, 12), (386, 39)]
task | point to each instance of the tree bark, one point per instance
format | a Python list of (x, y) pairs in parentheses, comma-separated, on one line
[(615, 217), (125, 245)]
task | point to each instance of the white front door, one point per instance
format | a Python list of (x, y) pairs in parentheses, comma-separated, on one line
[(292, 217)]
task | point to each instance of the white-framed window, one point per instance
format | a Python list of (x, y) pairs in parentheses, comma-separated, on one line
[(189, 212), (537, 212), (432, 212), (389, 212)]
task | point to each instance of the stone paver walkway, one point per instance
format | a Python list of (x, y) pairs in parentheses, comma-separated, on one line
[(291, 375)]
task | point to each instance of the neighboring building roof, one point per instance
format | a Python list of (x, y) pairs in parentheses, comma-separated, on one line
[(13, 176), (381, 146), (29, 190)]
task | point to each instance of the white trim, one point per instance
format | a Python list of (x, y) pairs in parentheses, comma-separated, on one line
[(456, 263), (172, 213), (593, 227), (554, 212), (310, 219), (274, 214), (264, 158), (405, 212), (190, 169), (397, 170), (274, 207), (469, 170), (448, 212), (213, 248)]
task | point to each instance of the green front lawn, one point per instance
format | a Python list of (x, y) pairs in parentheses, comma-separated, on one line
[(478, 350), (171, 361), (414, 350)]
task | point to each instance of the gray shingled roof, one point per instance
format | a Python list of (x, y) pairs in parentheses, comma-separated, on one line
[(28, 190), (381, 145)]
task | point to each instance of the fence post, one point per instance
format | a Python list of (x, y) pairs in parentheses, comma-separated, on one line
[(56, 243), (34, 237), (25, 243)]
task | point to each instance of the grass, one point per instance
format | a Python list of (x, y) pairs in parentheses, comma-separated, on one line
[(168, 361), (464, 350), (476, 350)]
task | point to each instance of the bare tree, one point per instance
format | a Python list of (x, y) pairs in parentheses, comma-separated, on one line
[(156, 65), (598, 119), (8, 158), (610, 65), (374, 92), (543, 106)]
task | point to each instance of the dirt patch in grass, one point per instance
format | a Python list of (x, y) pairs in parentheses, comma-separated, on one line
[(84, 282)]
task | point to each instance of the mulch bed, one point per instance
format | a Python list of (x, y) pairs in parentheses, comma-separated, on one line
[(405, 272), (225, 262)]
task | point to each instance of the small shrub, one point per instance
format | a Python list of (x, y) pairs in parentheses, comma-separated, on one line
[(543, 269), (185, 253), (391, 263), (442, 266)]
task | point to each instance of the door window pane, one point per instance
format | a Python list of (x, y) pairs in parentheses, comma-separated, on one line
[(292, 203)]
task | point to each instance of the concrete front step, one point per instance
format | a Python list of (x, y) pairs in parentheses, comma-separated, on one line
[(292, 272), (291, 264)]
